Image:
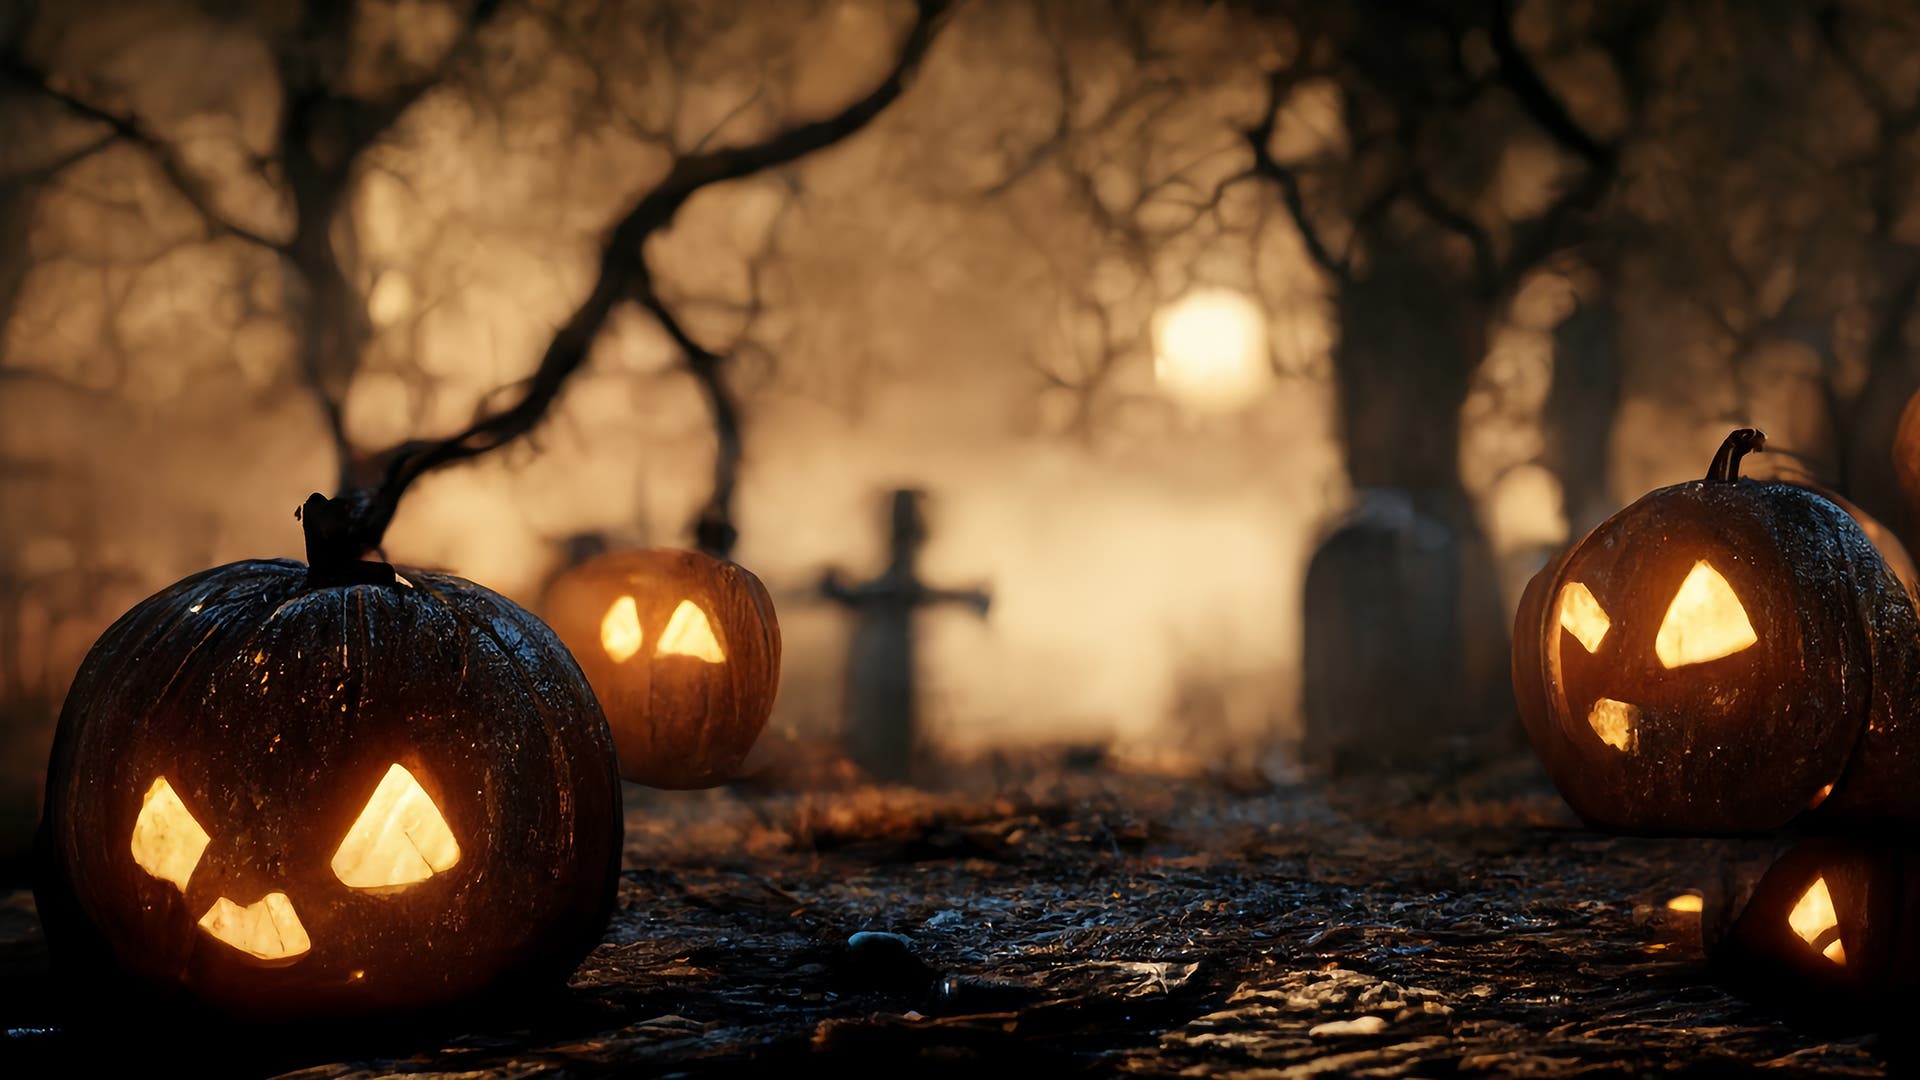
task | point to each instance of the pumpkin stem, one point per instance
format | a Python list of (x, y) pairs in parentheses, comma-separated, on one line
[(1726, 463), (335, 553)]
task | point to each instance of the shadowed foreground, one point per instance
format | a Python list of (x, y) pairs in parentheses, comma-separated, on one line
[(1090, 923)]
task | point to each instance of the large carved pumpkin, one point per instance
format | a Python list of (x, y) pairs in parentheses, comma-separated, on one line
[(292, 793), (684, 651), (1719, 657)]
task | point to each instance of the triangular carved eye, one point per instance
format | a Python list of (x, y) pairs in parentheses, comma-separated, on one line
[(1582, 616), (399, 839), (1706, 621), (620, 630), (1813, 918), (167, 842), (688, 633)]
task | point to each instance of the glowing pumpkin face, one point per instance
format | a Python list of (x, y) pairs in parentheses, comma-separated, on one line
[(1702, 661), (290, 798), (684, 652), (399, 839)]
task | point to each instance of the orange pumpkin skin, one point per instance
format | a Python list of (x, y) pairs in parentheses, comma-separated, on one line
[(275, 705), (1807, 705), (684, 652), (1529, 670), (1906, 451)]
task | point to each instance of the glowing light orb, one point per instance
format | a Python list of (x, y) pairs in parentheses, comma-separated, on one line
[(1210, 350)]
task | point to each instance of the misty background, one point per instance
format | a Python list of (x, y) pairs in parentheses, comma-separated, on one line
[(1516, 263)]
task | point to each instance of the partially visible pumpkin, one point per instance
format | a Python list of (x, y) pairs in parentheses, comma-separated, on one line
[(1883, 538), (1718, 657), (1832, 916), (290, 791), (1906, 451), (684, 652)]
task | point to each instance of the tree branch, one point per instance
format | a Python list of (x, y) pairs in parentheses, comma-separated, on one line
[(1259, 137), (1523, 79), (132, 130), (714, 530), (623, 274), (1897, 119), (1486, 270)]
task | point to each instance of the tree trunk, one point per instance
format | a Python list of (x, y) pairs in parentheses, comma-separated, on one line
[(1406, 640), (1580, 411)]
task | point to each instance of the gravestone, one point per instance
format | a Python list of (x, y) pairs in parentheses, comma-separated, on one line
[(1389, 675), (882, 702)]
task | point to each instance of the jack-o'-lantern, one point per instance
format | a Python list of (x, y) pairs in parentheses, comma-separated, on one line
[(684, 652), (291, 791), (1834, 915), (1720, 656)]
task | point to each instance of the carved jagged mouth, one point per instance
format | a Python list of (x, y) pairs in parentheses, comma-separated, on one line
[(267, 929), (1617, 723)]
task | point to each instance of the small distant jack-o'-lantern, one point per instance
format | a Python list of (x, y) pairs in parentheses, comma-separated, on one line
[(684, 652), (1720, 656), (292, 791)]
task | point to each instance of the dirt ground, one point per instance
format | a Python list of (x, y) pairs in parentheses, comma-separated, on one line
[(1079, 919)]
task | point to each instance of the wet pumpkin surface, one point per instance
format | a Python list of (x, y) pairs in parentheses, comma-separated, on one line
[(1087, 922)]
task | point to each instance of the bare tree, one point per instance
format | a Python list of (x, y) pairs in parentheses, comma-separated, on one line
[(1423, 259), (624, 275), (329, 124)]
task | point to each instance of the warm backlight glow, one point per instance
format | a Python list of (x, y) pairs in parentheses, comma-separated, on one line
[(399, 839), (266, 928), (167, 842), (1616, 722), (1687, 903), (1705, 622), (620, 630), (1814, 918), (1210, 350), (688, 633), (1582, 615)]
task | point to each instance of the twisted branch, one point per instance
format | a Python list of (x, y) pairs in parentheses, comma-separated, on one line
[(623, 275)]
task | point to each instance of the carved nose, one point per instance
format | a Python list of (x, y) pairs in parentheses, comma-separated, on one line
[(267, 929)]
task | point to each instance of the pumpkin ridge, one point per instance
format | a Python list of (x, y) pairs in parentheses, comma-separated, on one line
[(1837, 524), (1893, 663)]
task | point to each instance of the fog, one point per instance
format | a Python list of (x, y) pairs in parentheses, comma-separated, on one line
[(1654, 222)]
